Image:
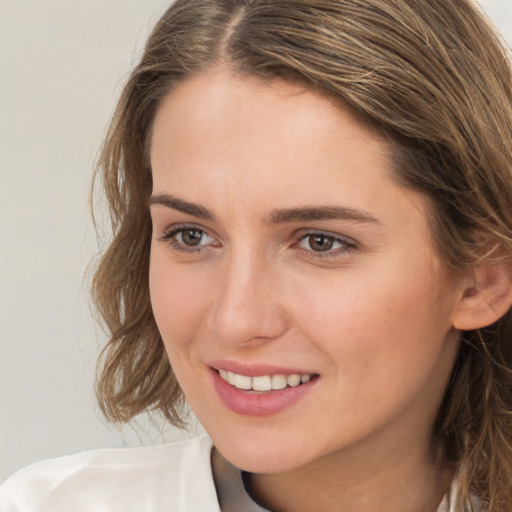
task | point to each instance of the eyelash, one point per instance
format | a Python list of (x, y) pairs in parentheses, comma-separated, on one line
[(347, 244), (170, 238)]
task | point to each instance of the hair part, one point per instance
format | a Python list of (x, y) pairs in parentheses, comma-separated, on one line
[(433, 77)]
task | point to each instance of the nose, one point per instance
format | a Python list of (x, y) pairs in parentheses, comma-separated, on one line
[(246, 308)]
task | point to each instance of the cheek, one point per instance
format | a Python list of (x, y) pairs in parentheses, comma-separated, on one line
[(178, 299), (387, 346), (392, 321)]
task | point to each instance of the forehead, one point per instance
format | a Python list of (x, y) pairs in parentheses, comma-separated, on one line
[(219, 122)]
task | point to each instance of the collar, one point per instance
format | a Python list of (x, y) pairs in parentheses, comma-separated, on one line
[(233, 497)]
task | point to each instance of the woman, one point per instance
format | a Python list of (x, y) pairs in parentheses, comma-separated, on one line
[(312, 237)]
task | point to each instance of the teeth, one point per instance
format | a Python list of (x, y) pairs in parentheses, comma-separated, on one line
[(294, 380), (263, 382), (242, 381), (278, 381)]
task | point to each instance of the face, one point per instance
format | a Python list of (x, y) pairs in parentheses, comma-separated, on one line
[(301, 303)]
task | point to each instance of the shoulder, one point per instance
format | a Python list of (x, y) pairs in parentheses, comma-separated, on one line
[(170, 477)]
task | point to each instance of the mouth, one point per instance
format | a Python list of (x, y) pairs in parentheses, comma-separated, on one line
[(260, 389), (264, 383)]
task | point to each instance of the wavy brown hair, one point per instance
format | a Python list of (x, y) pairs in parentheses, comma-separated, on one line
[(431, 75)]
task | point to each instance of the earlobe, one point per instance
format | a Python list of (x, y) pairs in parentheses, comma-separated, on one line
[(485, 298)]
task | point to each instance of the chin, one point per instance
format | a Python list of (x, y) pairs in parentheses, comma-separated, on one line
[(261, 454), (262, 464)]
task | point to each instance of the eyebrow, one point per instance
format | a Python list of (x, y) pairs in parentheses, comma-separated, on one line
[(181, 205), (282, 216), (278, 216)]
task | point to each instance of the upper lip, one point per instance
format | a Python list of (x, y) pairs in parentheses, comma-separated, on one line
[(256, 369)]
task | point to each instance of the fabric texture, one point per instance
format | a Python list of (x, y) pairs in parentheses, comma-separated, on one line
[(175, 477)]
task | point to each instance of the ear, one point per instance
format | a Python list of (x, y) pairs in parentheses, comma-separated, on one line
[(486, 297)]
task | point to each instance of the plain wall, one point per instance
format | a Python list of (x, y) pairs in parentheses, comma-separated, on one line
[(62, 63)]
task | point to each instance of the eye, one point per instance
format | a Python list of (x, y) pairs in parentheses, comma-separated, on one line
[(321, 244), (188, 238), (191, 237)]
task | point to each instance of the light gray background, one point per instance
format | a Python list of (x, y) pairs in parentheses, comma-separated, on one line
[(62, 64)]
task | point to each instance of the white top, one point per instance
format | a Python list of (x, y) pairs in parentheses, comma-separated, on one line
[(175, 477), (172, 477)]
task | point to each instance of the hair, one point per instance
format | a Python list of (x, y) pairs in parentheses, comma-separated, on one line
[(433, 76)]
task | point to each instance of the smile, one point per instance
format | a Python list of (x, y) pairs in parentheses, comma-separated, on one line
[(264, 382), (266, 390)]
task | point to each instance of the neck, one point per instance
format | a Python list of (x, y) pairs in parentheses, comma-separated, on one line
[(352, 481)]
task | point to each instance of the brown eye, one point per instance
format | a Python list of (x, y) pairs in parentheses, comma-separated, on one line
[(191, 237), (320, 243)]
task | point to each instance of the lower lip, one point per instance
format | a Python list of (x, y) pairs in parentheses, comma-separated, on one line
[(259, 404)]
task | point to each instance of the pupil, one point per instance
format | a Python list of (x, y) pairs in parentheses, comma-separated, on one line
[(320, 243), (192, 236)]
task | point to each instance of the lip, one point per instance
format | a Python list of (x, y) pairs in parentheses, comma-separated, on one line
[(256, 370), (258, 404)]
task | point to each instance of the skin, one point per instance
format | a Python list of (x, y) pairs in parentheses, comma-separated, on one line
[(372, 316)]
